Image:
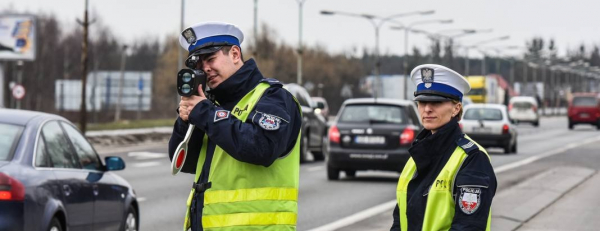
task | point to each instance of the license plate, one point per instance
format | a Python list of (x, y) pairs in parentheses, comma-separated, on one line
[(584, 115), (482, 129), (369, 140)]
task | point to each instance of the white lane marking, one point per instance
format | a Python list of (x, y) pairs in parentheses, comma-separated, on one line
[(529, 160), (141, 199), (146, 155), (357, 217), (315, 168), (146, 164), (352, 219)]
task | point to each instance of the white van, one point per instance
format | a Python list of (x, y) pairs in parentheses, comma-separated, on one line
[(524, 109)]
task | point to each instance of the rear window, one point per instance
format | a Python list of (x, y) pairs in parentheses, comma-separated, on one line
[(9, 136), (522, 105), (584, 101), (483, 114), (373, 114), (476, 91)]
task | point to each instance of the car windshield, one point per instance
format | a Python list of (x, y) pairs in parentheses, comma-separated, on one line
[(373, 114), (476, 91), (483, 114), (9, 135), (584, 101)]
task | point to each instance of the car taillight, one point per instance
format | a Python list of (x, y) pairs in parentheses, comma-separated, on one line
[(11, 189), (534, 108), (505, 129), (461, 126), (334, 134), (407, 136), (510, 106)]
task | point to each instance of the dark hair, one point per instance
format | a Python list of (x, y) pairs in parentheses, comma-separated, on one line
[(460, 113)]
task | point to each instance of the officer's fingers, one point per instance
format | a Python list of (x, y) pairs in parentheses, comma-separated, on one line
[(200, 91)]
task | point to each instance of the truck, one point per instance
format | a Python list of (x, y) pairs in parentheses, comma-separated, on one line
[(486, 89)]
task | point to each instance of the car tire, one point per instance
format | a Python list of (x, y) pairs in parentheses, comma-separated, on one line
[(570, 125), (598, 125), (55, 225), (507, 148), (130, 223), (514, 148), (350, 173), (333, 173), (536, 123), (303, 148)]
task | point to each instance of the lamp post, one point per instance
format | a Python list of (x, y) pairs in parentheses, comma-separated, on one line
[(405, 59), (121, 83), (478, 44), (377, 22), (179, 52), (300, 49)]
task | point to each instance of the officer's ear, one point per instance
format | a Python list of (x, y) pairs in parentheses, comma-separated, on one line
[(236, 54)]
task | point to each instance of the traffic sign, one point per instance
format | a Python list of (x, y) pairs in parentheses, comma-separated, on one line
[(18, 91)]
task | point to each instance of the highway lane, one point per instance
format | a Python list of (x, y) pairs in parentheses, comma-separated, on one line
[(320, 201)]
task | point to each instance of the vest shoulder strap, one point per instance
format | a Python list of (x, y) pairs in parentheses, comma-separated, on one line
[(272, 82), (467, 144)]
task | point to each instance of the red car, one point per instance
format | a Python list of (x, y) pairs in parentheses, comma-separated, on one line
[(584, 108)]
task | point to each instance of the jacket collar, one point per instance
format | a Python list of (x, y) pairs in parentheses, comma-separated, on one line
[(239, 84), (429, 148)]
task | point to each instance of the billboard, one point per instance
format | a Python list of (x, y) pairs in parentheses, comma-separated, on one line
[(17, 37)]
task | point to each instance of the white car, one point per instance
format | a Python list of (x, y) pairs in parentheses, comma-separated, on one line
[(489, 125), (524, 109)]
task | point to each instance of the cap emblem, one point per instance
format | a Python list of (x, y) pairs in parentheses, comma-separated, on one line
[(189, 35), (427, 76)]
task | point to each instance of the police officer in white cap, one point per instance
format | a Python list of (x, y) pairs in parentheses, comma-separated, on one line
[(448, 183), (244, 151)]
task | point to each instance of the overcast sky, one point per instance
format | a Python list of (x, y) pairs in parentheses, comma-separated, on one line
[(569, 22)]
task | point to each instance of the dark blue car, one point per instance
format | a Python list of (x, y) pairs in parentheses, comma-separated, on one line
[(52, 179)]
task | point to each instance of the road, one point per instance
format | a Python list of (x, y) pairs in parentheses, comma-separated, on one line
[(322, 202)]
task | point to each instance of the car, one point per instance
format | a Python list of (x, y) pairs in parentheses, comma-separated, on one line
[(584, 108), (466, 101), (490, 126), (314, 125), (322, 104), (51, 178), (524, 109), (371, 134)]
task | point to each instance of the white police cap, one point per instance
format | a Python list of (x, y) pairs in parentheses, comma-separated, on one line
[(209, 37), (438, 83)]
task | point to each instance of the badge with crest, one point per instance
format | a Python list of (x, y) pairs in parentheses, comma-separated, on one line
[(427, 76)]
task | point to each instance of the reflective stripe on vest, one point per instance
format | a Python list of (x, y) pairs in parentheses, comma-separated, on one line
[(246, 196), (439, 212)]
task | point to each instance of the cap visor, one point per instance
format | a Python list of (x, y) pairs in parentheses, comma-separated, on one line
[(205, 50), (431, 98)]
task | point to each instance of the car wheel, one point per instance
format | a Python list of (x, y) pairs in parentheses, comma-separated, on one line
[(303, 148), (507, 148), (350, 173), (514, 148), (320, 155), (598, 125), (536, 123), (332, 173), (130, 222), (570, 125), (55, 225)]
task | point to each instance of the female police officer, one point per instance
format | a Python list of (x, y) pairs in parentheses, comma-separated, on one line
[(448, 183)]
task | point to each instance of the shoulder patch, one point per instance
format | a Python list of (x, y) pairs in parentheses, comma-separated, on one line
[(469, 200), (221, 115), (466, 144), (272, 82), (269, 122)]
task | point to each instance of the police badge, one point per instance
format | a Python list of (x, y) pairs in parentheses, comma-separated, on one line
[(427, 76), (469, 200), (269, 122), (189, 35)]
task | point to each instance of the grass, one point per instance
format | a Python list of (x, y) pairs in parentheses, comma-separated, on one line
[(128, 124)]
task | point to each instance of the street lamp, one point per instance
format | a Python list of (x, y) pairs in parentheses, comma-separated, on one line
[(377, 22), (407, 29), (300, 50), (479, 44)]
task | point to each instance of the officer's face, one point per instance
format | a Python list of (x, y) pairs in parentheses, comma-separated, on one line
[(437, 113), (219, 66)]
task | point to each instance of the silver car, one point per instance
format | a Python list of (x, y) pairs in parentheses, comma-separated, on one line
[(490, 126)]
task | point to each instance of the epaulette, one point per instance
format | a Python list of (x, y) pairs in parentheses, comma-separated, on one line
[(466, 144), (272, 82)]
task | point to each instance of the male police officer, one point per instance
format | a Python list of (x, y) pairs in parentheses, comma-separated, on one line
[(244, 150), (448, 183)]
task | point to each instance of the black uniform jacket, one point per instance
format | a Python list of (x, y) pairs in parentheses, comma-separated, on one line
[(430, 153)]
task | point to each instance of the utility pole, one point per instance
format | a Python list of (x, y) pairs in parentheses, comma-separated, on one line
[(121, 83), (84, 59)]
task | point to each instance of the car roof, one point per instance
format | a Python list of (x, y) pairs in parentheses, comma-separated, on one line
[(398, 102), (21, 117), (576, 94), (523, 98), (485, 105)]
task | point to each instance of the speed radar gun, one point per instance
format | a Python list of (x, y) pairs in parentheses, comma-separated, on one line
[(188, 82)]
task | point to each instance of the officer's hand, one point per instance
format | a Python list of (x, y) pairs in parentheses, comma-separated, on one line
[(187, 104)]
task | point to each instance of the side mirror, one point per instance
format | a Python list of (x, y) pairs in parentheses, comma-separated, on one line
[(320, 105), (114, 163)]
